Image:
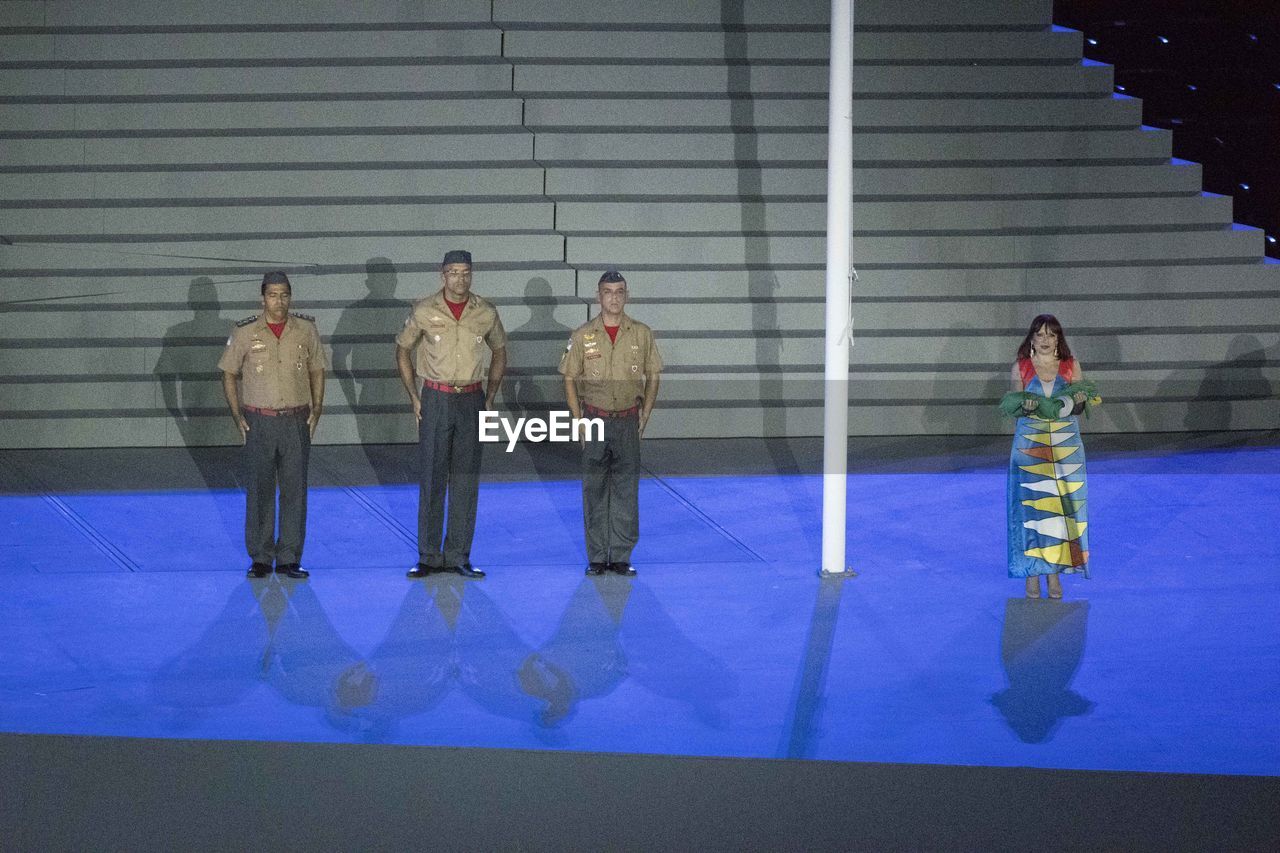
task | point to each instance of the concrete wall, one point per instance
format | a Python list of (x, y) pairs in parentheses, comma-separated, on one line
[(156, 158)]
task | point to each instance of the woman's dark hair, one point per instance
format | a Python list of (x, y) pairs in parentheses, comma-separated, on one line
[(1043, 320)]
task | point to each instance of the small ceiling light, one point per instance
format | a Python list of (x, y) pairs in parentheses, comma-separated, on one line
[(1162, 39)]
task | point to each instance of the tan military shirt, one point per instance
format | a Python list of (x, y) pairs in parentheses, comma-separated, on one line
[(611, 375), (450, 350), (274, 374)]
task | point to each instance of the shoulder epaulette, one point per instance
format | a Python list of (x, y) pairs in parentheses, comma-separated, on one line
[(247, 320), (306, 317)]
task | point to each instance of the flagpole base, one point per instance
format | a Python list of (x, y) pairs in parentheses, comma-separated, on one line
[(847, 573)]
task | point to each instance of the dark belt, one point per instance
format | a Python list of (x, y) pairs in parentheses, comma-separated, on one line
[(276, 413), (450, 389), (605, 413)]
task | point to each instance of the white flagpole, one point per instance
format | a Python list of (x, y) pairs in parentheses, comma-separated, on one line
[(835, 422)]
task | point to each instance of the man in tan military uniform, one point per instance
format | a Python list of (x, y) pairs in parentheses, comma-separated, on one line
[(611, 371), (440, 354), (279, 363)]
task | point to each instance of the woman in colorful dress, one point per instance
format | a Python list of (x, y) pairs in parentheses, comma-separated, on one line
[(1047, 493)]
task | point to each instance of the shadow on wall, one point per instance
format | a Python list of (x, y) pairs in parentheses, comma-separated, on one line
[(1240, 376), (763, 287), (364, 365), (762, 282), (946, 410), (533, 387), (190, 383), (1098, 352), (1041, 646)]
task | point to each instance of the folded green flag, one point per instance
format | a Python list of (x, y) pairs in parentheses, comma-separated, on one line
[(1048, 407)]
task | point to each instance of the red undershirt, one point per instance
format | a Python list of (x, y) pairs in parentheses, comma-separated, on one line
[(277, 329), (456, 308), (613, 333)]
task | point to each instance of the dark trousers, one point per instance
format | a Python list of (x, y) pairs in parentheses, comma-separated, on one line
[(611, 491), (275, 458), (449, 460)]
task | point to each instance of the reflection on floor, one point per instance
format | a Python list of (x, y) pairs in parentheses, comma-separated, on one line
[(124, 610), (1041, 645)]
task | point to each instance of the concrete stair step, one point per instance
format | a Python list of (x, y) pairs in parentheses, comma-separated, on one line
[(555, 149), (870, 81), (564, 182), (1235, 245)]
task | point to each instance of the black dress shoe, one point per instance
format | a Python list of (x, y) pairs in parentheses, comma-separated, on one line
[(466, 570), (258, 570), (624, 569), (422, 570), (597, 568), (292, 570)]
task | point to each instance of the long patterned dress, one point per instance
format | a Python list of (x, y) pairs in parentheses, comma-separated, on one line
[(1047, 493)]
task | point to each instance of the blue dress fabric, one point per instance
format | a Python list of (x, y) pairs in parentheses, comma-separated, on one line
[(1048, 523)]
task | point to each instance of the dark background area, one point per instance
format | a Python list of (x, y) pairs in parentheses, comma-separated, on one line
[(86, 793), (1209, 70)]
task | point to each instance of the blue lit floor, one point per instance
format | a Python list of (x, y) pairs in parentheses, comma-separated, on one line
[(127, 613)]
